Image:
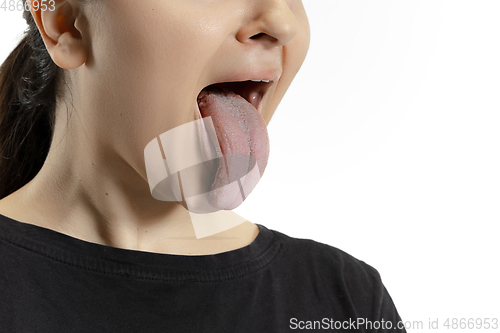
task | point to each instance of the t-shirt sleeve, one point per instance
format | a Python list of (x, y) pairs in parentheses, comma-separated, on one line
[(388, 315), (372, 308)]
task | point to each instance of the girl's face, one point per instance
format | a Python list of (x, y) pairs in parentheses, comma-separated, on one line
[(150, 59)]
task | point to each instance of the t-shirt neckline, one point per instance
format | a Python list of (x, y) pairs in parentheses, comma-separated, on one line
[(82, 254)]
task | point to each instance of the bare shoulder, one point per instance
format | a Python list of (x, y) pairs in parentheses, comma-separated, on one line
[(11, 206)]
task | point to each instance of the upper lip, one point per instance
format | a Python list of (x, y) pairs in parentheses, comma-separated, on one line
[(270, 74)]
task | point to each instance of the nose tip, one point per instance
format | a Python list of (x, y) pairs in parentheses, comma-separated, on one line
[(273, 22)]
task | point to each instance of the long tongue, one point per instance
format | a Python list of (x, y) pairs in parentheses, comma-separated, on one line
[(244, 143)]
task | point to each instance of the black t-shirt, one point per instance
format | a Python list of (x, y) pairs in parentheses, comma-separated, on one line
[(52, 282)]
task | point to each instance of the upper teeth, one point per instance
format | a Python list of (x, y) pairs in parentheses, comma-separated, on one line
[(260, 80)]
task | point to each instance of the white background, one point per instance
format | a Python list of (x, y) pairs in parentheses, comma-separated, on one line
[(387, 146)]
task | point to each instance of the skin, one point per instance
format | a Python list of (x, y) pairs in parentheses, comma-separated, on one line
[(134, 70)]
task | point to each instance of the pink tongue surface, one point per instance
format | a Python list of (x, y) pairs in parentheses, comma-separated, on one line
[(243, 139)]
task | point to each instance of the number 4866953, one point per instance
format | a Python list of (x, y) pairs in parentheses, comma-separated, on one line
[(19, 5), (471, 323)]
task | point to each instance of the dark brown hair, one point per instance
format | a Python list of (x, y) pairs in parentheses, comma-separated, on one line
[(29, 85)]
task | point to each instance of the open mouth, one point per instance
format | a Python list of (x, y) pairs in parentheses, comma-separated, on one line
[(252, 91), (241, 138)]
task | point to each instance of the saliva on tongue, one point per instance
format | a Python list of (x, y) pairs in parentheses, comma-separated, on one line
[(244, 142)]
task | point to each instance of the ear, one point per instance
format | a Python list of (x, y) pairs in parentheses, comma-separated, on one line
[(57, 24)]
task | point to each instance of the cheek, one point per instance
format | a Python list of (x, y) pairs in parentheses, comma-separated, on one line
[(151, 55), (294, 56), (148, 38), (165, 44), (303, 38), (147, 68)]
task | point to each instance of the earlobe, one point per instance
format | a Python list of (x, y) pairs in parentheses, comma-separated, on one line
[(60, 35)]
